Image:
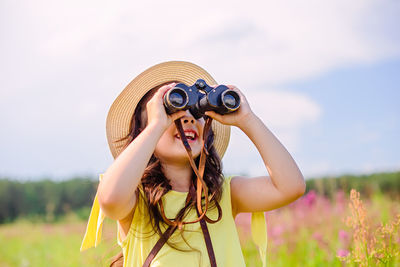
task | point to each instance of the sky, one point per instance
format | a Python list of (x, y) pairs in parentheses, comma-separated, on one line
[(322, 75)]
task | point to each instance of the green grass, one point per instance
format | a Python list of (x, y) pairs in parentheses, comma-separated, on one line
[(309, 236), (24, 243)]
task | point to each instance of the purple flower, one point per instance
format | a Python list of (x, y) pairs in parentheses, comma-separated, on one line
[(342, 252), (309, 199), (317, 236), (343, 236), (276, 231)]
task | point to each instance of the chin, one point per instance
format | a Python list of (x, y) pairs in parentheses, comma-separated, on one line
[(196, 149), (178, 156), (174, 150)]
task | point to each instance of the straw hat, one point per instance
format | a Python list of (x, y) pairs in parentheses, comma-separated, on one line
[(121, 111)]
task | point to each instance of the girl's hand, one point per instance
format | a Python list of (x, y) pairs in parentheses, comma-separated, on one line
[(156, 113), (237, 118)]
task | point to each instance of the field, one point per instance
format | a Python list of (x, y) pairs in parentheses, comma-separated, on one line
[(312, 231)]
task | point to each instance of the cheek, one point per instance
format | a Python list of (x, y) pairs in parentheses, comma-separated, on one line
[(201, 130), (159, 151), (164, 143)]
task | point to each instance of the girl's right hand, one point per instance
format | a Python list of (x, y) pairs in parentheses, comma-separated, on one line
[(156, 113)]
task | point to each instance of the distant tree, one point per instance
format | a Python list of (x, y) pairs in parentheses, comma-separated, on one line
[(50, 200)]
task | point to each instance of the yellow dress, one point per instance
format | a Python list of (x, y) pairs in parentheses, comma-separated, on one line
[(141, 239)]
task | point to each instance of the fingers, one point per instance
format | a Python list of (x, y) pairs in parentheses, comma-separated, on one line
[(233, 87), (177, 115), (164, 89), (213, 115), (159, 94)]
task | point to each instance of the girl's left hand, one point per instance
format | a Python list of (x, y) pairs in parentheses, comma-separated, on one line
[(238, 117)]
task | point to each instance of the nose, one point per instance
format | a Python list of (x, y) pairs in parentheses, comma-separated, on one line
[(188, 118)]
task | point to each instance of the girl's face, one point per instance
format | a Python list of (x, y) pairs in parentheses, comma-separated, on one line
[(170, 147)]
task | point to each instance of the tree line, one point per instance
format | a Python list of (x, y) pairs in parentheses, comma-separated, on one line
[(50, 200), (45, 198)]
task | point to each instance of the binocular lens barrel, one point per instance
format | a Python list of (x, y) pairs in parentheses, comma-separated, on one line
[(177, 98), (230, 100)]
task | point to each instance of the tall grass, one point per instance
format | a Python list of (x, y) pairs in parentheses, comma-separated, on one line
[(374, 243), (342, 231), (312, 231)]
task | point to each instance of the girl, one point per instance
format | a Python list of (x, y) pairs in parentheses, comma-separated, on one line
[(172, 210)]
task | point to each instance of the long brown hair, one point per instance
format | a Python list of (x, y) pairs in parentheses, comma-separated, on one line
[(154, 182)]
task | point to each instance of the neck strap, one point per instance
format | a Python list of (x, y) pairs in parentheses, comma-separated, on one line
[(194, 198)]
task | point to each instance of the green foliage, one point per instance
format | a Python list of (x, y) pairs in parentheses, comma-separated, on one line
[(309, 232), (367, 185), (47, 200), (55, 244), (310, 236)]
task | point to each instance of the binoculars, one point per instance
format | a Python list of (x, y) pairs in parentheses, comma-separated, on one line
[(199, 98)]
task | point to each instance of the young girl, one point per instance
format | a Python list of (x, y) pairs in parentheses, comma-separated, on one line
[(172, 211)]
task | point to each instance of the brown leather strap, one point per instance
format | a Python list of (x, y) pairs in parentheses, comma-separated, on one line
[(164, 237), (171, 229), (192, 197), (207, 239), (201, 185), (206, 235)]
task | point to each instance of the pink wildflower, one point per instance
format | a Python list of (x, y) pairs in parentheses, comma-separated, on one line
[(310, 198), (276, 231), (343, 236), (317, 236), (342, 253)]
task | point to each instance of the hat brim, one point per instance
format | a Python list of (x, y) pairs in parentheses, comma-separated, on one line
[(120, 114)]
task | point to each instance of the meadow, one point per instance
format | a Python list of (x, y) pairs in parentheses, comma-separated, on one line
[(342, 230)]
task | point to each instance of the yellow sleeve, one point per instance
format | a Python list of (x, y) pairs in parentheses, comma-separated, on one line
[(94, 227), (259, 234)]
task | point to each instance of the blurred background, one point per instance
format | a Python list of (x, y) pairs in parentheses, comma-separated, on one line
[(323, 76)]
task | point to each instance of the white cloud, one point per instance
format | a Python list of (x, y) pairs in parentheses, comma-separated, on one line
[(63, 62), (264, 41), (284, 109), (318, 168), (370, 167), (284, 113)]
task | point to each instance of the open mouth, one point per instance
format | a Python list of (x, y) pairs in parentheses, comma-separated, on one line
[(190, 135)]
